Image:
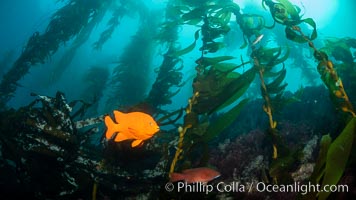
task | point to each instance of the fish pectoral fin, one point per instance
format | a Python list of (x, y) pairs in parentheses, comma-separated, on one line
[(136, 143), (133, 131), (121, 137)]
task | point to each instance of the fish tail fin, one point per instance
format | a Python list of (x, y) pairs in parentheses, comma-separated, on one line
[(111, 127), (174, 177)]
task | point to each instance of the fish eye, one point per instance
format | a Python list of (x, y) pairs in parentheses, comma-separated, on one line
[(151, 123)]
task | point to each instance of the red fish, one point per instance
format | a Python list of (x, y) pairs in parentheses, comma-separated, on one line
[(202, 174), (135, 125)]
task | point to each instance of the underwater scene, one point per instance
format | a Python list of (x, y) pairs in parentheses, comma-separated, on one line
[(177, 99)]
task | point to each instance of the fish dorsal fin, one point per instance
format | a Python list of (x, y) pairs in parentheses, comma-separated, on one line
[(121, 137), (136, 143), (188, 171), (119, 116)]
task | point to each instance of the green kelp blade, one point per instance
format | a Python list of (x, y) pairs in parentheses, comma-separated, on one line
[(278, 81), (213, 47), (337, 157), (283, 58), (318, 171), (206, 61), (291, 9), (224, 121), (225, 67), (268, 54), (278, 89), (224, 15), (194, 14), (312, 23), (237, 87), (292, 35), (187, 49)]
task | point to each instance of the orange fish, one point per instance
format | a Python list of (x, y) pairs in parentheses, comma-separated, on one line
[(134, 125), (202, 174)]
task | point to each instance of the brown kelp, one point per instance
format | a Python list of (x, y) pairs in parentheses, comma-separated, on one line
[(96, 82), (5, 61), (272, 92), (66, 59), (216, 85), (117, 14), (169, 73), (130, 79), (64, 25), (287, 14), (340, 49)]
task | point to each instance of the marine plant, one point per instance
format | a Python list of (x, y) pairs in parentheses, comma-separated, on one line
[(130, 78), (264, 62), (287, 14), (216, 85), (5, 61), (64, 25), (84, 34), (169, 73), (340, 50), (96, 82)]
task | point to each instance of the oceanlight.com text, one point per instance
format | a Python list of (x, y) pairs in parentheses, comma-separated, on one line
[(259, 187), (300, 188)]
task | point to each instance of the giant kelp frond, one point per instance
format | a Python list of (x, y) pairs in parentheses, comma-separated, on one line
[(213, 20), (5, 61), (64, 25), (265, 60), (169, 72), (341, 50), (332, 160), (168, 77), (95, 80), (286, 13), (80, 39), (216, 90), (118, 13), (250, 24), (130, 79)]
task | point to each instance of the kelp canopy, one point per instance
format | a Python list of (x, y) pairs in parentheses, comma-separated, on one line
[(153, 67)]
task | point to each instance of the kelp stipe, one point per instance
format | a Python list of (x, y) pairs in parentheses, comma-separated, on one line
[(287, 14)]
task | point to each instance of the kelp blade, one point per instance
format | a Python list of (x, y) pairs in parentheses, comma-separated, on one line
[(224, 121), (337, 157)]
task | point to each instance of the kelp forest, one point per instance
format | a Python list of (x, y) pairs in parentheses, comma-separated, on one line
[(237, 117)]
